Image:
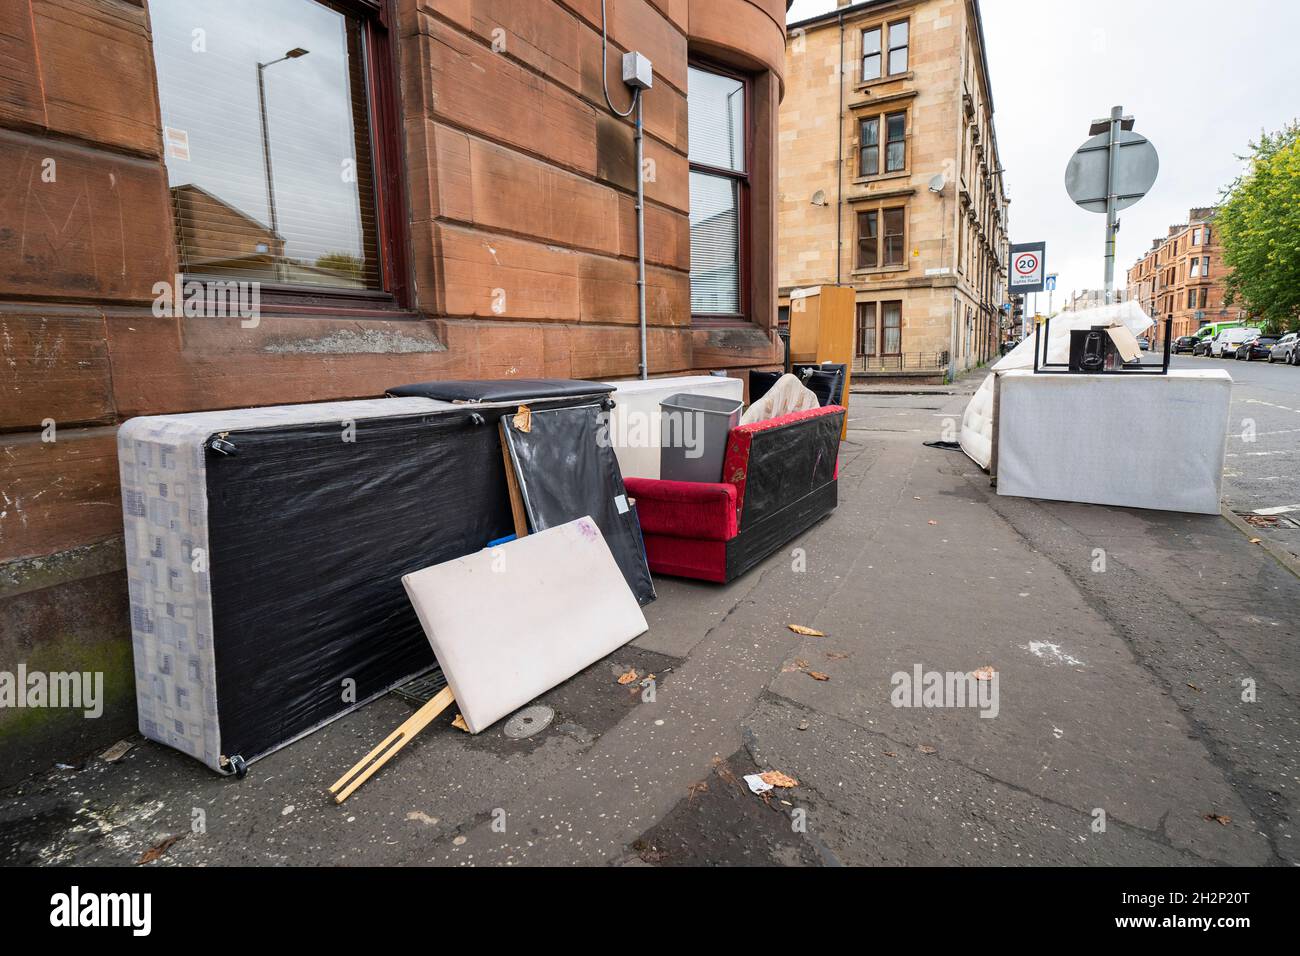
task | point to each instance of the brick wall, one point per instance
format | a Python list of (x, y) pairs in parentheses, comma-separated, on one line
[(516, 178)]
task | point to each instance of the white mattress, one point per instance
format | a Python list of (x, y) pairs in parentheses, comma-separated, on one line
[(511, 622), (635, 422), (1136, 441)]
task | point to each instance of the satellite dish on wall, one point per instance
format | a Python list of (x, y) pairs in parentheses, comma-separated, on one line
[(937, 182), (819, 198)]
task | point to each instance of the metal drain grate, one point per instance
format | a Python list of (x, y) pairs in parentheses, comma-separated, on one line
[(422, 689), (1284, 521)]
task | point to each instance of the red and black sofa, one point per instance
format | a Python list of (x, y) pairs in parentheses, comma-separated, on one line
[(780, 478)]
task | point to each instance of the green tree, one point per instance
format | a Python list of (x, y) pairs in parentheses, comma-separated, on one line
[(1259, 226)]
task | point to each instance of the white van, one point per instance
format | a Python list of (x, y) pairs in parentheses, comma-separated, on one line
[(1228, 341)]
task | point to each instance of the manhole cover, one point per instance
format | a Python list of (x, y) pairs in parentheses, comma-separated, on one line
[(529, 721)]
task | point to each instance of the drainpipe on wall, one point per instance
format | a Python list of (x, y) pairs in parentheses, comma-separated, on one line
[(643, 370), (637, 74), (839, 168)]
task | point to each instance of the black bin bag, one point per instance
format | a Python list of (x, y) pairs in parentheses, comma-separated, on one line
[(566, 469)]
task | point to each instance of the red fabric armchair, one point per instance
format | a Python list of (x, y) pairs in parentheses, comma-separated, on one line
[(779, 479)]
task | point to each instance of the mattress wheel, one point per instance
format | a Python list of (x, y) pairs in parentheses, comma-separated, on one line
[(239, 765)]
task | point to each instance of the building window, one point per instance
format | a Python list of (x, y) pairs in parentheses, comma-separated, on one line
[(881, 238), (1191, 298), (279, 161), (871, 54), (895, 142), (891, 321), (879, 328), (1196, 237), (1205, 267), (894, 245), (866, 328), (1205, 294), (868, 239), (895, 154), (1194, 267), (869, 146), (717, 118), (898, 47), (873, 57)]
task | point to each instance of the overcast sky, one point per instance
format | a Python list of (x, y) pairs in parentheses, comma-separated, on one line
[(1201, 78)]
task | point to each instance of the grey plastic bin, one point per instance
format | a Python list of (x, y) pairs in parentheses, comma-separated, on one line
[(693, 436)]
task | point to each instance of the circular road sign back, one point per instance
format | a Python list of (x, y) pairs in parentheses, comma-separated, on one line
[(1136, 167)]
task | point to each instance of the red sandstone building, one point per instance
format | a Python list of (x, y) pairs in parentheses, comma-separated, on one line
[(1181, 277), (418, 189)]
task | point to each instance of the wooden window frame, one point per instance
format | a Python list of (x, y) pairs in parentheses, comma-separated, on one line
[(890, 48), (871, 315), (883, 27), (863, 173), (383, 113), (881, 120), (880, 210), (743, 201), (885, 236)]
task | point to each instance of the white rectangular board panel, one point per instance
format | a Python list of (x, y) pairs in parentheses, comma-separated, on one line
[(509, 623), (635, 425), (1134, 441)]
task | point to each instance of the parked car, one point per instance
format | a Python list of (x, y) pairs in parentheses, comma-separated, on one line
[(1184, 343), (1228, 341), (1257, 348), (1144, 345), (1202, 346), (1286, 349)]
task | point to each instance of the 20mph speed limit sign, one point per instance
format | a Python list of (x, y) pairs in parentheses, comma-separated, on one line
[(1028, 271)]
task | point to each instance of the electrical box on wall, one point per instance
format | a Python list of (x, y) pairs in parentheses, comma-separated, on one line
[(637, 71)]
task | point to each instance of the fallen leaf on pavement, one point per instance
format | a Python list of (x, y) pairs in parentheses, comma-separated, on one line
[(932, 521), (776, 778), (1218, 818), (116, 752), (805, 631), (837, 655), (800, 663), (818, 675), (1255, 540), (983, 673), (628, 677), (1193, 686), (155, 852), (890, 753), (927, 749), (459, 723)]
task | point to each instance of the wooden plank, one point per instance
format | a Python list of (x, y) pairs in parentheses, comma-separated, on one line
[(517, 511), (366, 767)]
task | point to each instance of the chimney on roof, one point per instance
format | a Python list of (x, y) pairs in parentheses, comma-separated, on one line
[(843, 3), (1201, 213)]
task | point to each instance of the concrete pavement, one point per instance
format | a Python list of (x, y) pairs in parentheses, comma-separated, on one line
[(1120, 703), (1261, 474)]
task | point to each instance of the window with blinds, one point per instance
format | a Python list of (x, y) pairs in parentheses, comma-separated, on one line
[(716, 116), (268, 141)]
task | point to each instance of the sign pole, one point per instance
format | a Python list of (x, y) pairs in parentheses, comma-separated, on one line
[(1112, 157)]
